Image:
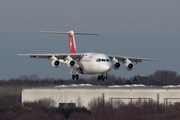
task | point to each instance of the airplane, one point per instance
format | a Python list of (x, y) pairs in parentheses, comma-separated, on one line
[(86, 63)]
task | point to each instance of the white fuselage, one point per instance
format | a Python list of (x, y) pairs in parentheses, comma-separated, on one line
[(94, 63)]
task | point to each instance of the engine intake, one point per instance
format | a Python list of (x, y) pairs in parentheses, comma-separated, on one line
[(71, 63), (55, 63), (116, 65), (128, 65)]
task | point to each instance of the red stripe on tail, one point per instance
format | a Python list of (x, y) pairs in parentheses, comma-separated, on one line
[(72, 44)]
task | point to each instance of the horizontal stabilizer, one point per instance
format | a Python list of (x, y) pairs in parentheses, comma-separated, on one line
[(70, 32)]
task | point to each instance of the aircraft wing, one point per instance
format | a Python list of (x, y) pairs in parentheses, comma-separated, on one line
[(132, 59), (48, 56)]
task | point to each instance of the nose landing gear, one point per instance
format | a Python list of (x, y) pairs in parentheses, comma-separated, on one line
[(102, 77), (75, 76)]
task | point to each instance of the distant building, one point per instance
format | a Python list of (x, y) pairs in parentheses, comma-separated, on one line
[(82, 94)]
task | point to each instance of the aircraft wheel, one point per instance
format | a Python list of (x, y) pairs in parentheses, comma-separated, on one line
[(99, 77), (73, 76), (102, 77), (77, 77)]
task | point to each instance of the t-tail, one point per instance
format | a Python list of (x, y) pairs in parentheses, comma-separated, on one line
[(72, 42)]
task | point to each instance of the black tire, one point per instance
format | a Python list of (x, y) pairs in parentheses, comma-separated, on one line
[(73, 76), (102, 77), (99, 77), (77, 77)]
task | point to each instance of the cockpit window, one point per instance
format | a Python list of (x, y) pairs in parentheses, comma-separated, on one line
[(98, 60), (103, 60), (107, 60)]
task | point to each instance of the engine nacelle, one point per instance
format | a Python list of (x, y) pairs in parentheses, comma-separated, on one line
[(129, 66), (71, 63), (116, 65), (55, 63)]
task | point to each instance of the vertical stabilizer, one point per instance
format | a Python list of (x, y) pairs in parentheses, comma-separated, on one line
[(72, 43)]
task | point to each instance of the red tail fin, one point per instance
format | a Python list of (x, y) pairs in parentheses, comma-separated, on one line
[(72, 43)]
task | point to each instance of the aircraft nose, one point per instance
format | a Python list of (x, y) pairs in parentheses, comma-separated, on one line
[(107, 67)]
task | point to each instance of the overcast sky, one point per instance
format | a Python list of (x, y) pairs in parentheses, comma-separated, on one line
[(136, 28)]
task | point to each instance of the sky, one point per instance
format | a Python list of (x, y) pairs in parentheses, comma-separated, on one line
[(135, 28)]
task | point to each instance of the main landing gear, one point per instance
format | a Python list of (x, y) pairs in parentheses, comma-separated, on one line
[(102, 77), (75, 76)]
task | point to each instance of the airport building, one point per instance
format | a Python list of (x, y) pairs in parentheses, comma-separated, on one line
[(82, 94)]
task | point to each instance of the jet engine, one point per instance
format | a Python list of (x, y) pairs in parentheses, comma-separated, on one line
[(128, 65), (71, 63), (55, 63), (116, 65)]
